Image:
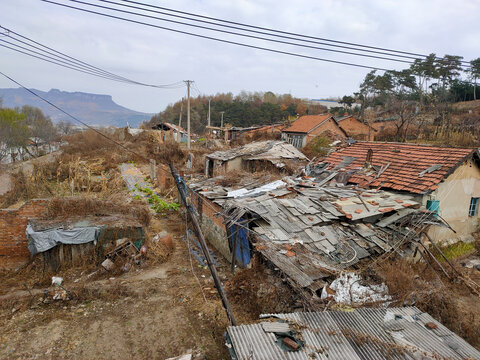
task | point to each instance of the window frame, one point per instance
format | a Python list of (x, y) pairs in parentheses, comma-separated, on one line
[(473, 207)]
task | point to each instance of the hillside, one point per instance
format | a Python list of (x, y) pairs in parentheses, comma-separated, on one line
[(94, 109)]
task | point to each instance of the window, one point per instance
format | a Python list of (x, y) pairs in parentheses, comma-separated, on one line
[(472, 211), (433, 206)]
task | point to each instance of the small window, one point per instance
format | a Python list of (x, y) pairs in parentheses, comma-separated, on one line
[(433, 206), (472, 211)]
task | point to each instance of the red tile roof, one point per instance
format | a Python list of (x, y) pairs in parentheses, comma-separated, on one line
[(307, 123), (406, 161)]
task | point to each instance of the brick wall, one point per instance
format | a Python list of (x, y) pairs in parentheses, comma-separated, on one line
[(212, 225), (329, 125), (13, 224), (357, 130)]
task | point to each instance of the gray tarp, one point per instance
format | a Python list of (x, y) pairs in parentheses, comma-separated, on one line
[(39, 241)]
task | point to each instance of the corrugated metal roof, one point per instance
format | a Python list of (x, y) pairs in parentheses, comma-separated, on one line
[(260, 150), (396, 333)]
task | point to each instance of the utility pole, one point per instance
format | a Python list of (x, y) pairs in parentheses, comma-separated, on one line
[(181, 111), (221, 123), (209, 112), (188, 82)]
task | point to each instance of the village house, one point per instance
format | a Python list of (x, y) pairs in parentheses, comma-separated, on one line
[(356, 129), (171, 131), (308, 127), (254, 157), (444, 180), (306, 229), (267, 130)]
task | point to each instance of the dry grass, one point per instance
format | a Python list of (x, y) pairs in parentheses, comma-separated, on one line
[(449, 302), (257, 290), (59, 208)]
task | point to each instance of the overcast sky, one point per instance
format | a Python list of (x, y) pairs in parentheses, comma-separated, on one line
[(159, 56)]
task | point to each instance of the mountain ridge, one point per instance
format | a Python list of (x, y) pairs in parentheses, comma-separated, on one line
[(93, 109)]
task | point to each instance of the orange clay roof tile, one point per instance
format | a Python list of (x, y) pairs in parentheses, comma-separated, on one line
[(406, 161), (307, 123)]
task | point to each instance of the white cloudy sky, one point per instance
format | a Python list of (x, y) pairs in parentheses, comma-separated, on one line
[(158, 56)]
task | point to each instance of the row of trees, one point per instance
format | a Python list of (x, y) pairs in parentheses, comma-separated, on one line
[(429, 85), (245, 109), (21, 128)]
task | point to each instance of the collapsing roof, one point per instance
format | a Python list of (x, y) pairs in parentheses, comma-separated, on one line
[(395, 333), (307, 123), (312, 232), (413, 168), (271, 150), (169, 126)]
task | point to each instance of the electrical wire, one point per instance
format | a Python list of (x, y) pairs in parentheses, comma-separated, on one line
[(234, 33), (416, 55), (73, 117), (221, 40), (51, 55), (230, 32)]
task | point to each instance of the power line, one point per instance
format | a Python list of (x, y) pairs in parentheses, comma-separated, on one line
[(56, 57), (221, 40), (416, 55), (238, 34), (54, 61), (234, 33), (73, 117)]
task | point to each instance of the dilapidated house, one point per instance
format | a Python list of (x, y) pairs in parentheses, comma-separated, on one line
[(355, 128), (171, 131), (252, 157), (308, 231), (308, 127), (444, 180)]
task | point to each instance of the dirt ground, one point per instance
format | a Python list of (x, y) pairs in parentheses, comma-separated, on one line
[(152, 313)]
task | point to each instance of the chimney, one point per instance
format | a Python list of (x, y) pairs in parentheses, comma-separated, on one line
[(368, 160)]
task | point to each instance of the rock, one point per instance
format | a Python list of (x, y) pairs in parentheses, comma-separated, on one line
[(167, 241)]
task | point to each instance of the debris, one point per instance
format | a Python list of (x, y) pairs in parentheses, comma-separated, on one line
[(57, 280), (290, 343), (108, 264), (431, 325), (60, 295), (348, 290)]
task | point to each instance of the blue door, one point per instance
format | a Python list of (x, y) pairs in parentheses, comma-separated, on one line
[(242, 248)]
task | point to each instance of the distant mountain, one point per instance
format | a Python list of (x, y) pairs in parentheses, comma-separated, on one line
[(92, 109)]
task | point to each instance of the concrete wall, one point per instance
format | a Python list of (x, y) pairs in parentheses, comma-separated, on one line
[(454, 195), (13, 239)]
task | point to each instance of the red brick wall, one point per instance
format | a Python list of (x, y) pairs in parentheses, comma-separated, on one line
[(13, 224)]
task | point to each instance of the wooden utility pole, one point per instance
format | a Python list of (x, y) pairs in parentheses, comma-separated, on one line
[(198, 231), (181, 112), (208, 112), (221, 123), (188, 82)]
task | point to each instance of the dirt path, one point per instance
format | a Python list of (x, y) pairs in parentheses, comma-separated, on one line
[(152, 313)]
